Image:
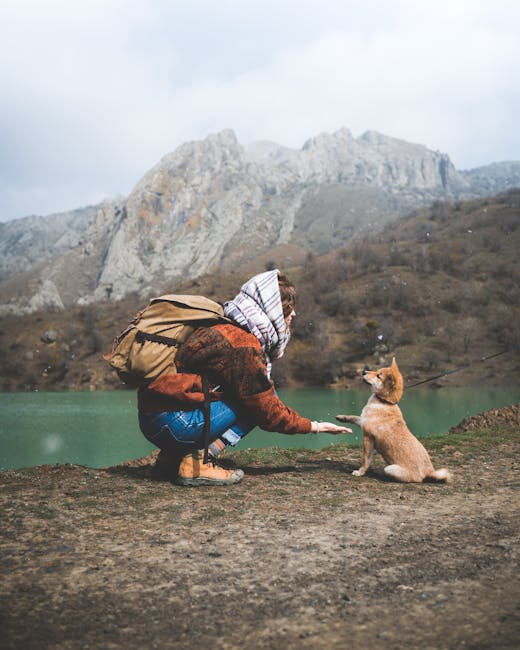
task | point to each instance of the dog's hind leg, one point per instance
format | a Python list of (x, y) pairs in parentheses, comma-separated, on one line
[(441, 475), (401, 474)]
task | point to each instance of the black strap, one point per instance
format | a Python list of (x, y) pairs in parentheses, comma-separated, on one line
[(141, 337), (450, 372), (207, 417)]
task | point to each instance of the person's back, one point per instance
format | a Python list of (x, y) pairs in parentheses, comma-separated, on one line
[(235, 361)]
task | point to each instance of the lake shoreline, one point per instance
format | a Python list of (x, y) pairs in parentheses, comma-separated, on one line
[(101, 428), (301, 554)]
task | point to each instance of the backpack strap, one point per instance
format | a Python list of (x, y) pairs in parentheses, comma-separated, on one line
[(207, 417), (141, 337)]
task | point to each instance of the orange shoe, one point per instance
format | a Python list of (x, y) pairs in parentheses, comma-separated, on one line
[(193, 471)]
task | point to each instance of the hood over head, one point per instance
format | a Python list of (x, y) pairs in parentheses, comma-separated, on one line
[(258, 308)]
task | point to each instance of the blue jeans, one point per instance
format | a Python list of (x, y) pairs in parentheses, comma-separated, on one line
[(175, 431)]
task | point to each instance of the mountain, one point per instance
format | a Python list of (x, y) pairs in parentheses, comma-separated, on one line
[(438, 288), (215, 204)]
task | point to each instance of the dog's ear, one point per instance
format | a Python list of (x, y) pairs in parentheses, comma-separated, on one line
[(394, 364)]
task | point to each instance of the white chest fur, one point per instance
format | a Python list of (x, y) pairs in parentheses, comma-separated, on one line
[(372, 408)]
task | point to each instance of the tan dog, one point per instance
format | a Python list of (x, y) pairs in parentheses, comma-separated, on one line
[(385, 431)]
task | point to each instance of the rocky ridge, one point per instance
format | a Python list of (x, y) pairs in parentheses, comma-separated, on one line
[(218, 204)]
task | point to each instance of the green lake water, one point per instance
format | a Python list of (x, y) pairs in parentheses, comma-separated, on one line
[(98, 429)]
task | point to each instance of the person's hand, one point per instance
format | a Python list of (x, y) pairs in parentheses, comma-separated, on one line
[(328, 427)]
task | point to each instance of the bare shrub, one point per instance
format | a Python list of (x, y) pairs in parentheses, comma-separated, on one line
[(508, 291), (441, 211), (367, 257), (505, 325), (430, 360), (452, 304), (331, 302), (365, 337), (468, 330)]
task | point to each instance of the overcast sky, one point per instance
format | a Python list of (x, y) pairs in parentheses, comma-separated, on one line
[(94, 92)]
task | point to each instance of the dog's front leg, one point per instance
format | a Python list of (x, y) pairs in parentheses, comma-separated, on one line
[(368, 455), (354, 419)]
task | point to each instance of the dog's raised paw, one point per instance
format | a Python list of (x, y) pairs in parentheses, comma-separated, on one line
[(356, 472)]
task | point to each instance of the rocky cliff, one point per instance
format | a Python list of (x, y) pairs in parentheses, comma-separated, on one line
[(217, 204)]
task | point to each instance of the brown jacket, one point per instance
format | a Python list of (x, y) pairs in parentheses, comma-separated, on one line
[(234, 363)]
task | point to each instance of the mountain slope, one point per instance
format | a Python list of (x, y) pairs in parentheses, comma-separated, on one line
[(439, 289), (215, 204)]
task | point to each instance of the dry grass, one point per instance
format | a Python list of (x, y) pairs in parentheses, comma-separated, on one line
[(439, 289)]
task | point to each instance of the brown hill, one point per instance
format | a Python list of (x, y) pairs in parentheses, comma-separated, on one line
[(438, 289)]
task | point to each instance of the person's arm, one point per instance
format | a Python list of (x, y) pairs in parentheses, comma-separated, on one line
[(233, 358), (247, 380)]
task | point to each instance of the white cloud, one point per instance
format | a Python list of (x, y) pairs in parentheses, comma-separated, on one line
[(95, 93)]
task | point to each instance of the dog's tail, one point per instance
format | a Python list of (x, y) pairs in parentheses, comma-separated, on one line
[(440, 475)]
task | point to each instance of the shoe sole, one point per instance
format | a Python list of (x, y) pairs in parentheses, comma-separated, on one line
[(202, 480), (195, 482)]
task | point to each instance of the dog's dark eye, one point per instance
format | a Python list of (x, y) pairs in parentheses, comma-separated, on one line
[(378, 375)]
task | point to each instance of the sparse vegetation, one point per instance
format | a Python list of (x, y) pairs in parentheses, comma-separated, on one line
[(438, 288)]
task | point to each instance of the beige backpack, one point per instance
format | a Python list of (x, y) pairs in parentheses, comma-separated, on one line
[(147, 348)]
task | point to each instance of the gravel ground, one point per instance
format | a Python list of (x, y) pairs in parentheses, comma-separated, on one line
[(301, 554)]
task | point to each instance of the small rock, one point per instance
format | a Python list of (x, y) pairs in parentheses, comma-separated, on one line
[(50, 336)]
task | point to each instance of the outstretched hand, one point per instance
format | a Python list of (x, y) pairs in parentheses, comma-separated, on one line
[(329, 427)]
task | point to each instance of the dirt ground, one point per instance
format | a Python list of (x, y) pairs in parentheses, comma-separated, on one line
[(301, 554)]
